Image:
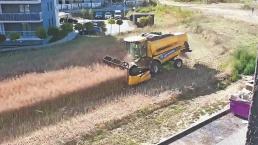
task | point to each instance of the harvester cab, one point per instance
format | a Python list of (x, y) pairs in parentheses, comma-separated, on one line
[(136, 47)]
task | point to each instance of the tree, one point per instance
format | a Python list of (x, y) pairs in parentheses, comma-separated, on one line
[(78, 27), (89, 27), (111, 21), (67, 27), (41, 33), (103, 26), (2, 38), (119, 22), (14, 36), (87, 14)]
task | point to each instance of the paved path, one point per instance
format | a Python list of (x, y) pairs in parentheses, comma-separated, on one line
[(125, 27), (215, 132), (238, 138), (229, 11)]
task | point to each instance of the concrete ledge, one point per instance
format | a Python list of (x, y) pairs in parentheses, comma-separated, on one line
[(194, 127), (69, 37)]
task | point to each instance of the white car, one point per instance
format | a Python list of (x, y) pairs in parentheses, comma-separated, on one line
[(108, 15), (118, 14)]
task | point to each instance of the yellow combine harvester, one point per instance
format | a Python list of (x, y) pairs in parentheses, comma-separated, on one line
[(149, 51)]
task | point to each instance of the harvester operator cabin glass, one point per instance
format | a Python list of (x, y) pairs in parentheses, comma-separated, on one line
[(136, 49)]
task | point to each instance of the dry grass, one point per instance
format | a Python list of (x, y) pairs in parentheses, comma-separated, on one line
[(34, 88), (75, 53), (65, 75), (45, 86)]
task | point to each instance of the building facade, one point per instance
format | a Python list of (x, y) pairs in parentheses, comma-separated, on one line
[(26, 16), (80, 4)]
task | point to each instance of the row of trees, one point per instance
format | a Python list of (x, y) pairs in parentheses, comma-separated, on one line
[(85, 14), (112, 21), (90, 26), (42, 33)]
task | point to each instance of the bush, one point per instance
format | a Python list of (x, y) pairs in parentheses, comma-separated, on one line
[(153, 2), (52, 31), (14, 36), (67, 27), (111, 21), (41, 33), (2, 38), (144, 21), (244, 62), (58, 36), (88, 26)]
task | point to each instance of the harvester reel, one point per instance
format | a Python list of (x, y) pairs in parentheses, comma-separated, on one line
[(116, 62)]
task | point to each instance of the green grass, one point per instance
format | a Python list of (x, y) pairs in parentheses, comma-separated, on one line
[(164, 14), (249, 4), (243, 62), (149, 127)]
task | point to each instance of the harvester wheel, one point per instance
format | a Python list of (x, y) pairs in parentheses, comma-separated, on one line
[(178, 63), (155, 67)]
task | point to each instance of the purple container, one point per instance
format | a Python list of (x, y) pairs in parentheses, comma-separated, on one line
[(240, 108)]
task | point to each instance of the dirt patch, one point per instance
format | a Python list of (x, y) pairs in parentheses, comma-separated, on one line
[(73, 128), (152, 126)]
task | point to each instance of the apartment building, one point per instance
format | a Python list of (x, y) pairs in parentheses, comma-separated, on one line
[(79, 4), (25, 16)]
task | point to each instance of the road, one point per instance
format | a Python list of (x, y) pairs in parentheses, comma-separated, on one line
[(125, 27), (215, 132), (229, 11)]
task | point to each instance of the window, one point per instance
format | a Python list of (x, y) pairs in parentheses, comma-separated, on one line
[(24, 8), (21, 8), (52, 6), (52, 21), (48, 6), (27, 8)]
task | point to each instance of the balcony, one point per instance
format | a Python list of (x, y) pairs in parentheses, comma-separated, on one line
[(20, 1), (20, 17)]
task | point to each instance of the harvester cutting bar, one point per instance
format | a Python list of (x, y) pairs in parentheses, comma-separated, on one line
[(116, 62)]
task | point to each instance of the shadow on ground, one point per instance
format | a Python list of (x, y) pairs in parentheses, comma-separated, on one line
[(196, 81)]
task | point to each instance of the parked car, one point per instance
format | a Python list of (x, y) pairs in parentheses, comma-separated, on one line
[(68, 20), (99, 15), (108, 15), (118, 14)]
